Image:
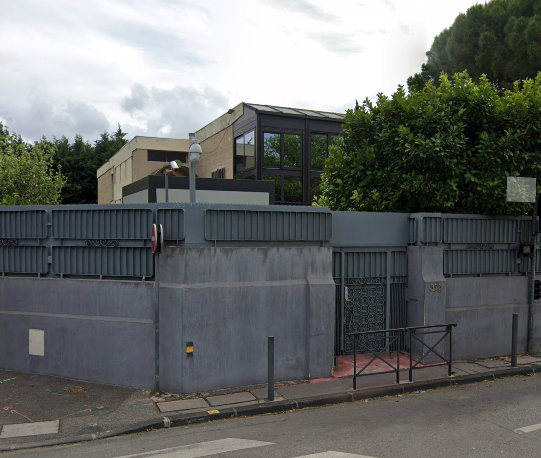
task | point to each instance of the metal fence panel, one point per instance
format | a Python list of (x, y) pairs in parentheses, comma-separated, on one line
[(269, 226), (134, 223), (432, 232), (172, 220), (24, 259), (118, 261), (365, 264), (478, 262), (23, 224), (480, 230)]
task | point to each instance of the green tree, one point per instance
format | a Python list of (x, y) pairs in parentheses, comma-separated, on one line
[(27, 176), (446, 148), (500, 39), (80, 161)]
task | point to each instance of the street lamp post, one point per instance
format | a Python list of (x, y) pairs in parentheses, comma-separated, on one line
[(173, 166), (195, 157)]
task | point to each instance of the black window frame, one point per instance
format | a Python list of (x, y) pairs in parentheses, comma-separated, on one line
[(283, 165)]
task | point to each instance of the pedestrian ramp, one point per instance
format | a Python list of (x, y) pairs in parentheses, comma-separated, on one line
[(216, 447)]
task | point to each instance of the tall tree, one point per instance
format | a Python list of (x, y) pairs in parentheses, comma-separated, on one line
[(80, 161), (501, 39), (447, 148), (27, 176)]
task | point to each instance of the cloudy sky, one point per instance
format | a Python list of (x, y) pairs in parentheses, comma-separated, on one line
[(168, 67)]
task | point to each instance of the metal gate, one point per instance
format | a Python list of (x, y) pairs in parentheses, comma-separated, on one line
[(370, 295)]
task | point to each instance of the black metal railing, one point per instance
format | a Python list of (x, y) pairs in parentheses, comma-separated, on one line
[(392, 336), (416, 331)]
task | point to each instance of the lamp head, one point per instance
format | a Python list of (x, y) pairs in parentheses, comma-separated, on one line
[(195, 153), (174, 165)]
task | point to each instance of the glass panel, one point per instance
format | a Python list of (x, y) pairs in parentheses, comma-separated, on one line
[(293, 189), (318, 150), (292, 150), (262, 107), (240, 146), (277, 186), (287, 110), (315, 183), (311, 113), (249, 149), (271, 149)]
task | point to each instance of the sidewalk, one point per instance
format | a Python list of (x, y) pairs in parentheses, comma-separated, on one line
[(36, 410)]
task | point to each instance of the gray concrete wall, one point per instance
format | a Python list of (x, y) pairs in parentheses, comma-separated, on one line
[(93, 330), (227, 301), (483, 308)]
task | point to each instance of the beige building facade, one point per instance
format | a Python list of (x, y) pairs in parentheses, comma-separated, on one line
[(140, 157), (287, 146)]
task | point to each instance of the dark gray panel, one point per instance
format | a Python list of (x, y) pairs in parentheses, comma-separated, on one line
[(172, 220), (116, 261), (275, 226), (23, 259), (23, 224), (121, 223)]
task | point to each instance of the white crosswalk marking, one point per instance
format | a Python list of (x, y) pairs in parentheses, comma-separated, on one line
[(201, 449), (528, 429), (334, 455)]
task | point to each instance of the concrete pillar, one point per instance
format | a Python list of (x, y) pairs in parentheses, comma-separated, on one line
[(426, 293)]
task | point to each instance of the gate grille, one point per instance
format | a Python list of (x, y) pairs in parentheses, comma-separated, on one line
[(376, 297)]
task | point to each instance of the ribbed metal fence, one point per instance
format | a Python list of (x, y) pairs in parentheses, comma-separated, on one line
[(115, 240), (473, 244), (269, 226)]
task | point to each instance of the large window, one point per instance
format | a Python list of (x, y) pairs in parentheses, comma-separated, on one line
[(319, 151), (282, 163), (245, 152), (282, 150), (165, 156), (287, 188)]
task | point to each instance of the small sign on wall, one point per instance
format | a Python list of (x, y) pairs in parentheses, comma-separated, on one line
[(36, 342)]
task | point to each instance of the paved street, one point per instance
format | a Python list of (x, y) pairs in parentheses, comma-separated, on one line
[(499, 418)]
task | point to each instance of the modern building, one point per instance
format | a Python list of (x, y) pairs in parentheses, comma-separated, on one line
[(287, 146), (140, 157), (265, 142)]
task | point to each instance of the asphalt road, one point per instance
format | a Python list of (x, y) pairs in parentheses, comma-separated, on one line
[(490, 419)]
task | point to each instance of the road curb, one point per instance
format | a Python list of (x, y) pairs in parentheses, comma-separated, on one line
[(282, 406)]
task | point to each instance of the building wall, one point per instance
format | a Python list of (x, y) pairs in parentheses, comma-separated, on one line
[(217, 152), (482, 307), (227, 301), (93, 330), (131, 163)]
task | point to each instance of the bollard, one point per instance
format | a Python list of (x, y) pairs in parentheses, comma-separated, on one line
[(270, 370), (514, 338)]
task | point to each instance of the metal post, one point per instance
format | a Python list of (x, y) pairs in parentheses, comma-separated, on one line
[(354, 362), (192, 182), (411, 356), (450, 327), (157, 323), (514, 339), (398, 358), (532, 280), (270, 395), (166, 186)]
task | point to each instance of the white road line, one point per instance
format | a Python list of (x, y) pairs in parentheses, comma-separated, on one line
[(528, 429), (201, 449), (334, 455)]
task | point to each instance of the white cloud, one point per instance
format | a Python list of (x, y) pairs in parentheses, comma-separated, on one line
[(167, 67)]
